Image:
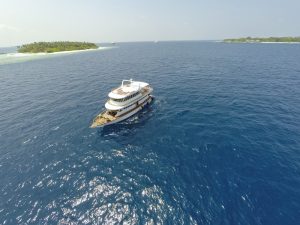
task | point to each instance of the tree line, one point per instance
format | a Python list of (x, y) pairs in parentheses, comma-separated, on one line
[(57, 46), (267, 39)]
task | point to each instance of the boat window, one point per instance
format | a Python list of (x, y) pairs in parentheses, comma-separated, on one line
[(131, 96), (126, 98), (117, 100), (112, 113)]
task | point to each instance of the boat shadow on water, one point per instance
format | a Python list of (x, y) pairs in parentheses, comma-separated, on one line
[(129, 126)]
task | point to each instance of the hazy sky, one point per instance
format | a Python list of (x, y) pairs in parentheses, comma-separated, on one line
[(23, 21)]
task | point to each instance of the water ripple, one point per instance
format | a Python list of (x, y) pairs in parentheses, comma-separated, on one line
[(219, 145)]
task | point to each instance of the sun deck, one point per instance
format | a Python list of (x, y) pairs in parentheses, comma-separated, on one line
[(146, 89), (127, 88), (122, 90)]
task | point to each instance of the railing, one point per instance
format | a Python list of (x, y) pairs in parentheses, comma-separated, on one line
[(123, 81), (130, 82)]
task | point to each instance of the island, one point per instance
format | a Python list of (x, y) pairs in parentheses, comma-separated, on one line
[(263, 40), (57, 46)]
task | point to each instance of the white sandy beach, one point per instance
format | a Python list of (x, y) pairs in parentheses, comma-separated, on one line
[(54, 53), (266, 42), (258, 42), (22, 57)]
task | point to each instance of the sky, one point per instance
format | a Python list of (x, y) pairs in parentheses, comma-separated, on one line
[(25, 21)]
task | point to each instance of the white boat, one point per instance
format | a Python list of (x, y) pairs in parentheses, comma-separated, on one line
[(124, 101)]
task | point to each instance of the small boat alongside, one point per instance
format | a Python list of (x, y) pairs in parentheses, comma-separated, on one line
[(124, 101)]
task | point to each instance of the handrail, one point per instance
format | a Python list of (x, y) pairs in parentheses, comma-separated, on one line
[(130, 81), (126, 81)]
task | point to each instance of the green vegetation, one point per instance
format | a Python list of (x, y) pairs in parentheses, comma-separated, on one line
[(268, 39), (56, 46)]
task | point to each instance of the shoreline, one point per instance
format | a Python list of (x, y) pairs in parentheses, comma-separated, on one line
[(54, 53), (268, 42), (259, 42), (15, 57)]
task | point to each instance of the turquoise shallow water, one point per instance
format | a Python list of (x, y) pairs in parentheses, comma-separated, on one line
[(219, 145)]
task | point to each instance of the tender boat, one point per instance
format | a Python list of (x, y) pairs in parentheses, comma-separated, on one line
[(124, 101)]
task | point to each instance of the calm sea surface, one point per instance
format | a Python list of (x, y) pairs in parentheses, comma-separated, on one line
[(219, 145)]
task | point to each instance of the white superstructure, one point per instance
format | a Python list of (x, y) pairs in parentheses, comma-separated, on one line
[(123, 102)]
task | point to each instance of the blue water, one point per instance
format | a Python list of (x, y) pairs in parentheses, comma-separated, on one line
[(219, 145)]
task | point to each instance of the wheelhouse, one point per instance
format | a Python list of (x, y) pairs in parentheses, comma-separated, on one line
[(126, 98)]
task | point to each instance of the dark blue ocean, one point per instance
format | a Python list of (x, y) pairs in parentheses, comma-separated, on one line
[(219, 145)]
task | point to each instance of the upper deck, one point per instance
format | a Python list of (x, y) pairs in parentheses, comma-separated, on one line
[(127, 88)]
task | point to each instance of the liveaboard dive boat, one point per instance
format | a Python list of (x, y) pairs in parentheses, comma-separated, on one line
[(124, 101)]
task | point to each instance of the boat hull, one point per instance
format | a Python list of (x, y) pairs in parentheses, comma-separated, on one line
[(129, 114)]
